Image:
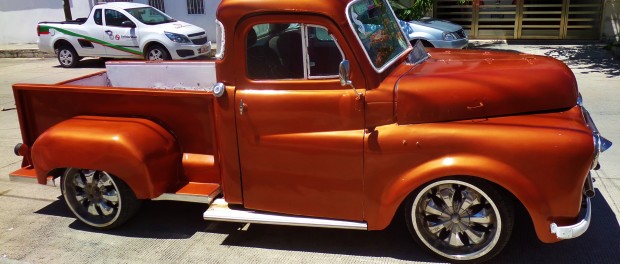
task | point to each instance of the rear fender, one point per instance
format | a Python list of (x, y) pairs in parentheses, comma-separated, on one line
[(140, 152)]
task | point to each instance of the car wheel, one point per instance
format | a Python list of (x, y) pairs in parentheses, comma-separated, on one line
[(97, 198), (460, 220), (157, 52), (67, 57)]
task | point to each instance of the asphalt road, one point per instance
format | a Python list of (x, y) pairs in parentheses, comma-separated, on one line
[(36, 227)]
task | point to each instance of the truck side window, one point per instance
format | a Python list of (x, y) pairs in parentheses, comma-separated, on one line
[(274, 51), (98, 18), (114, 18), (324, 55)]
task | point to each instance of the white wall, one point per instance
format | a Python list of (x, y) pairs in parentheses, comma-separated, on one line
[(19, 18), (178, 9)]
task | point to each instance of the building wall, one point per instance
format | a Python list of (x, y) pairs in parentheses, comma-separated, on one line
[(611, 20), (19, 18)]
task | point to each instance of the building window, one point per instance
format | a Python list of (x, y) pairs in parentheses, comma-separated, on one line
[(159, 4), (195, 7)]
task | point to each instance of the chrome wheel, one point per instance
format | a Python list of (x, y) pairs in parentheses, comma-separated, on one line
[(459, 221), (96, 197)]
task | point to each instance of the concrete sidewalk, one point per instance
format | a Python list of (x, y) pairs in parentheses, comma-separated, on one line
[(22, 51)]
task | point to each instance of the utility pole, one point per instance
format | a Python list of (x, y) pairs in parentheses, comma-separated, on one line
[(67, 7)]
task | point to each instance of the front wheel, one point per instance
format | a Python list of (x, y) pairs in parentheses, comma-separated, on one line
[(156, 53), (460, 219), (97, 198)]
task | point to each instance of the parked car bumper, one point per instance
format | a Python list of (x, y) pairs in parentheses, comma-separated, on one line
[(182, 51), (452, 44)]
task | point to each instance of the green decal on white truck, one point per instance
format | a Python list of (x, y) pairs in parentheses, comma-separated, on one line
[(45, 28)]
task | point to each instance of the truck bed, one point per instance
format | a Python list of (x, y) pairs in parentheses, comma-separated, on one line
[(160, 92)]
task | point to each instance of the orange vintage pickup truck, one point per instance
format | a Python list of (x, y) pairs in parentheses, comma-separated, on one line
[(320, 113)]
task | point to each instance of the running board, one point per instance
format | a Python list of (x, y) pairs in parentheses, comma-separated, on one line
[(194, 192), (220, 211)]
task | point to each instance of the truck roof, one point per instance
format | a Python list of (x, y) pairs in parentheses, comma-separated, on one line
[(120, 5), (236, 9)]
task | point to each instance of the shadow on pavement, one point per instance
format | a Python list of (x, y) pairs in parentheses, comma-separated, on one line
[(584, 56), (587, 58), (177, 220)]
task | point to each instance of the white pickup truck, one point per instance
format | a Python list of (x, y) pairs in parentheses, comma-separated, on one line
[(122, 30)]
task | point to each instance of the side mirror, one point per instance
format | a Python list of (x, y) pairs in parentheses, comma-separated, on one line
[(128, 24), (344, 72)]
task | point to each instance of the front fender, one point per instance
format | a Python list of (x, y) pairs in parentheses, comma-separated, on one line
[(396, 191), (140, 152)]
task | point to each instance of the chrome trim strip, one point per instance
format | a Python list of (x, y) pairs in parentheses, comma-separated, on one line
[(573, 231), (219, 211), (188, 197)]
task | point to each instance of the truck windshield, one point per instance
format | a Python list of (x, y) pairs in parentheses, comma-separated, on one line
[(149, 15), (377, 30)]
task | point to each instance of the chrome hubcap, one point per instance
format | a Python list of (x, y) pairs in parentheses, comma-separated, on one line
[(96, 193), (92, 195), (65, 56), (456, 219)]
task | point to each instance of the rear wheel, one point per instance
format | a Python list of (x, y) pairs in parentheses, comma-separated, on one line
[(67, 56), (460, 219), (97, 198), (157, 52)]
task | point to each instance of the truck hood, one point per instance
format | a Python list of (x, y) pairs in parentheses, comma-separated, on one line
[(438, 24), (180, 27), (459, 85)]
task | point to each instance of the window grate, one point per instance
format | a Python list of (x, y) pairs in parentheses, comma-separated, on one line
[(159, 4), (195, 7)]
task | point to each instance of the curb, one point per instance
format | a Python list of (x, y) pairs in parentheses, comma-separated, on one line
[(25, 53)]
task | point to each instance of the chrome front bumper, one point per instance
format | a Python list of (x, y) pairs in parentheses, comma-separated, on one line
[(573, 231)]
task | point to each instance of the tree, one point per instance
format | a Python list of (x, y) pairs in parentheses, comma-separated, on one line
[(411, 9), (67, 7), (414, 9)]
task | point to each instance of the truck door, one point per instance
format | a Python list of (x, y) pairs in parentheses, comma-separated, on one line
[(123, 38), (300, 132)]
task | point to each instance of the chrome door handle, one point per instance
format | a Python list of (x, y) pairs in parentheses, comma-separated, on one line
[(242, 106)]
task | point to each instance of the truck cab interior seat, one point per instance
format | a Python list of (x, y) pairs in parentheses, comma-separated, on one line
[(262, 62)]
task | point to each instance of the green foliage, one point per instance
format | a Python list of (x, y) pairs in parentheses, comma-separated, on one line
[(416, 9)]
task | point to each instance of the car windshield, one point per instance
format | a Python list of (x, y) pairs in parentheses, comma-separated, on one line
[(149, 15), (378, 31)]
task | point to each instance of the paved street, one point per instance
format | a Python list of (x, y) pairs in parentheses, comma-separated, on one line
[(36, 227)]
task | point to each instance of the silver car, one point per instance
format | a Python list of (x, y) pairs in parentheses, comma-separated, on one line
[(435, 33)]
